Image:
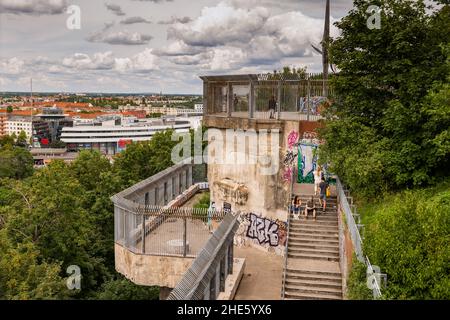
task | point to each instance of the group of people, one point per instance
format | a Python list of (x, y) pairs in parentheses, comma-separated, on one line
[(321, 187)]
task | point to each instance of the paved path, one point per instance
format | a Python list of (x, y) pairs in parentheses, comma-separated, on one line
[(262, 275)]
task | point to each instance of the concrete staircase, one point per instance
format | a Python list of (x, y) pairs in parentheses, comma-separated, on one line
[(312, 269)]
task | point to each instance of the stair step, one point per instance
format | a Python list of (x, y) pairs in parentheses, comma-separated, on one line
[(319, 283), (307, 230), (311, 277), (302, 296), (313, 290), (315, 272), (312, 257), (301, 240), (318, 217), (313, 236), (312, 246), (334, 253), (313, 223)]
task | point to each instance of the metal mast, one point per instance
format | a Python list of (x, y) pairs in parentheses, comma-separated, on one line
[(325, 45)]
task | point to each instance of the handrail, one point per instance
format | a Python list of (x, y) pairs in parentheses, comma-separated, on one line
[(352, 226), (283, 286), (356, 239)]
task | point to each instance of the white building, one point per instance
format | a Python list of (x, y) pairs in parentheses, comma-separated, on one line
[(198, 107), (111, 139), (15, 125)]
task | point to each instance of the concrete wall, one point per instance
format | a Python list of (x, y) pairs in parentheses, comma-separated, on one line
[(267, 195), (149, 270)]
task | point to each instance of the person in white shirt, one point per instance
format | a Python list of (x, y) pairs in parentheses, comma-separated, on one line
[(317, 179)]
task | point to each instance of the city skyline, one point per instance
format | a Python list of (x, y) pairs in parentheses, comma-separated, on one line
[(133, 46)]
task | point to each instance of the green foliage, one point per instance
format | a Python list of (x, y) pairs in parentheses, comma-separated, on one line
[(122, 289), (357, 282), (6, 140), (22, 139), (144, 159), (62, 215), (24, 277), (389, 128), (407, 235), (15, 162), (203, 202), (9, 109), (154, 115)]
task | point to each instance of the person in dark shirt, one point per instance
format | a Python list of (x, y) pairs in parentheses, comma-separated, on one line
[(272, 107), (310, 207), (296, 204), (323, 194)]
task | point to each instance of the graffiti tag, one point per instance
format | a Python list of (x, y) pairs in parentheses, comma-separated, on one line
[(264, 230)]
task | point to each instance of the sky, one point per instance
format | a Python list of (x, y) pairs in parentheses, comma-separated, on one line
[(141, 46)]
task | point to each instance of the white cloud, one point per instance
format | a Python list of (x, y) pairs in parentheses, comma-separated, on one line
[(220, 25), (33, 7), (120, 38), (11, 66), (81, 61), (142, 61)]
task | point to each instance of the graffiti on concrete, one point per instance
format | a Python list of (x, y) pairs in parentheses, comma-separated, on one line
[(289, 158), (291, 155), (262, 232), (315, 104), (307, 157), (292, 139)]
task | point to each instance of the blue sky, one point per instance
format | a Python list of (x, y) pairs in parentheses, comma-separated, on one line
[(154, 45)]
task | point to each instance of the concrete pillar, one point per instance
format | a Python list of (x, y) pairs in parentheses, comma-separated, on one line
[(279, 101), (151, 197), (229, 99), (205, 97), (251, 102), (183, 180), (176, 183), (189, 178), (164, 293)]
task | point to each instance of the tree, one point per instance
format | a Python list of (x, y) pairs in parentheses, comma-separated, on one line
[(123, 289), (6, 140), (379, 131), (15, 162), (9, 109), (144, 159), (24, 277), (22, 139), (407, 236)]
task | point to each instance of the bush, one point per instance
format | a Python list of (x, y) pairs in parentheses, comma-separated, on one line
[(407, 235), (357, 282)]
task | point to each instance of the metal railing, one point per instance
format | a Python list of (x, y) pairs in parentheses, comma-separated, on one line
[(267, 96), (164, 231), (283, 286), (373, 275), (202, 281)]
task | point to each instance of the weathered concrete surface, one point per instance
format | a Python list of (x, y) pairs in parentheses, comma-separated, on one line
[(262, 277), (267, 189), (233, 280), (149, 270)]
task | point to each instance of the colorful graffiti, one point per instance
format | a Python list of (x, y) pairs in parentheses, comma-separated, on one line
[(262, 232), (292, 139), (307, 157), (291, 155), (315, 103)]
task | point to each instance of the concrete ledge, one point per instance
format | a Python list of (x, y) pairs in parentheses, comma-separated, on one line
[(233, 280)]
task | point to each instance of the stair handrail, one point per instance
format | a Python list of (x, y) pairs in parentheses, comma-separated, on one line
[(283, 286), (357, 240)]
